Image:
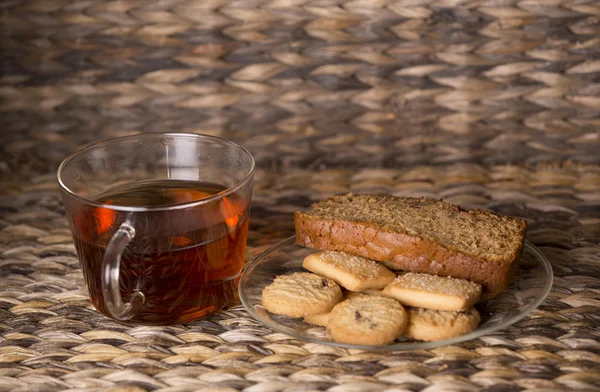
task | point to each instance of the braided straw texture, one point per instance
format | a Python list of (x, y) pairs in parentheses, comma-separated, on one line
[(492, 104)]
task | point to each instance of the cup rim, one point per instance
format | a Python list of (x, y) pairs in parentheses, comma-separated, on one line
[(195, 203)]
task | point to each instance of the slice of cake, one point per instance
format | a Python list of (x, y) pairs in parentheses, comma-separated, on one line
[(417, 235)]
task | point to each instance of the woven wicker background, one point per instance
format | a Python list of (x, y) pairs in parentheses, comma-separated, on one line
[(490, 104)]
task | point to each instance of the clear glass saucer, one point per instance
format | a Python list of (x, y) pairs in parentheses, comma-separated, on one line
[(529, 288)]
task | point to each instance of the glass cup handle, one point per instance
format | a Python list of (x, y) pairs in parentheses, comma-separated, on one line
[(110, 276)]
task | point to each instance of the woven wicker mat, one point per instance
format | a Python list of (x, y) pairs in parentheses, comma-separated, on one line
[(491, 104)]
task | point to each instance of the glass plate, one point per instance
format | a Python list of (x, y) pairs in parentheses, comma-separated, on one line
[(527, 291)]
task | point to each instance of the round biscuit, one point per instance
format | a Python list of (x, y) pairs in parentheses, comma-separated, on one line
[(353, 294), (367, 320), (433, 325), (301, 294)]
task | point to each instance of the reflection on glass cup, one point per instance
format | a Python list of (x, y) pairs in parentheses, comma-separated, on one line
[(160, 223)]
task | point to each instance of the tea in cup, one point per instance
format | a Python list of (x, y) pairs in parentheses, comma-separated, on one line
[(160, 223)]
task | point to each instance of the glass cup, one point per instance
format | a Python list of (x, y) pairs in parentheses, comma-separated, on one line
[(160, 223)]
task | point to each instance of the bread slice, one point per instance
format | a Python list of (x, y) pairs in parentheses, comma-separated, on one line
[(417, 235)]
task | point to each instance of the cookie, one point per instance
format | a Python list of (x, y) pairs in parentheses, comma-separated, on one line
[(433, 292), (354, 294), (301, 294), (323, 318), (354, 273), (433, 325), (318, 319), (367, 320)]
